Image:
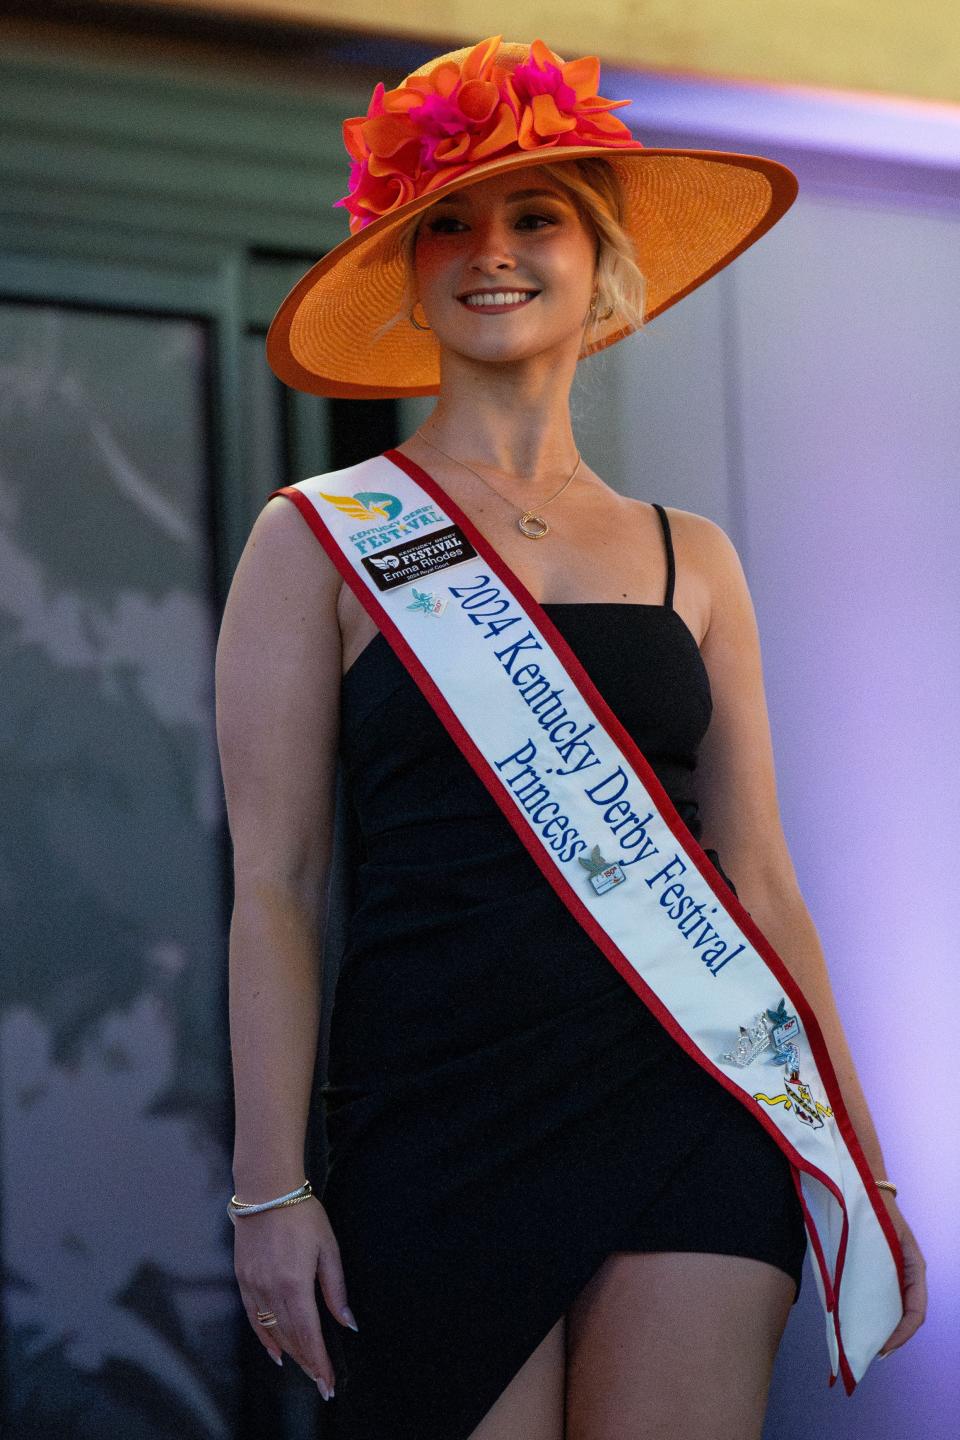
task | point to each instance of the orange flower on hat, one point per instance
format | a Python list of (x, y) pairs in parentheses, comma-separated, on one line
[(434, 127)]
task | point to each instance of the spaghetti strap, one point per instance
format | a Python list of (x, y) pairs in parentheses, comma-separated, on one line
[(668, 539)]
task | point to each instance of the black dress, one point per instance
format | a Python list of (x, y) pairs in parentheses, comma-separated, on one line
[(502, 1109)]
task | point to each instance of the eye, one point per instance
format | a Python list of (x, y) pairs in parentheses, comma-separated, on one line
[(440, 224), (548, 219)]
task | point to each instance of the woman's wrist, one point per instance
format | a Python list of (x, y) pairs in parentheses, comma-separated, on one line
[(255, 1184)]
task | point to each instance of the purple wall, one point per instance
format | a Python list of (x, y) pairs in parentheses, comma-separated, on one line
[(825, 361)]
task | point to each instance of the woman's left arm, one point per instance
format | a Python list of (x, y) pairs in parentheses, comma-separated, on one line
[(740, 817)]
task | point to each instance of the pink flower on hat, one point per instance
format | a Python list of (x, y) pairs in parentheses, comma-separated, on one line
[(561, 104), (435, 127)]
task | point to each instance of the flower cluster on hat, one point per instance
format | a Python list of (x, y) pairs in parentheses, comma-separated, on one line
[(435, 127)]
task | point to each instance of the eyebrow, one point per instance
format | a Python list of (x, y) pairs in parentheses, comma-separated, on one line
[(458, 196)]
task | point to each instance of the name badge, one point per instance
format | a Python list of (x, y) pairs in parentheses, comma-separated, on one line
[(415, 558)]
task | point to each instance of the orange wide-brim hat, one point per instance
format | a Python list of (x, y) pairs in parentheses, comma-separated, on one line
[(460, 119)]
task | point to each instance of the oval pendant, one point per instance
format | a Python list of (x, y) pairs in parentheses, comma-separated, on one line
[(537, 520)]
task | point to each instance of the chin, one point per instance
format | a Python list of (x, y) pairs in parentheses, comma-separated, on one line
[(515, 349), (527, 348)]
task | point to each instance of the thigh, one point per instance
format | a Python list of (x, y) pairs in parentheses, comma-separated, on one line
[(672, 1346), (532, 1404)]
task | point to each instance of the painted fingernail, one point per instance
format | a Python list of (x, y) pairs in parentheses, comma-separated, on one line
[(347, 1314), (277, 1358), (322, 1387)]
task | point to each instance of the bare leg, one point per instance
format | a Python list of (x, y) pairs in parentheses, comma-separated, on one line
[(531, 1406), (671, 1346)]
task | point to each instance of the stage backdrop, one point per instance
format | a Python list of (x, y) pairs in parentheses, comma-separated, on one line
[(153, 212)]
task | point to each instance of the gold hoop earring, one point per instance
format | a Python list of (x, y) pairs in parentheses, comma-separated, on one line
[(593, 307), (414, 321)]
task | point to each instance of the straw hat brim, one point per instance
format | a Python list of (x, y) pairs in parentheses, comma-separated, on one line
[(688, 212)]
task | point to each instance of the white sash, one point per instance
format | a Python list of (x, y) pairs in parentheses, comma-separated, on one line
[(592, 814)]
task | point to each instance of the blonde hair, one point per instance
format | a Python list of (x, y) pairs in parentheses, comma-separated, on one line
[(594, 188)]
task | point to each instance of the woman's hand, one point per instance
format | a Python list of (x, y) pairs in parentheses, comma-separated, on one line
[(278, 1255), (915, 1290)]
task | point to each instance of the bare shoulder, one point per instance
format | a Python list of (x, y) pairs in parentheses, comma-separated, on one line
[(705, 550), (706, 544), (709, 565), (705, 557), (288, 548), (284, 591)]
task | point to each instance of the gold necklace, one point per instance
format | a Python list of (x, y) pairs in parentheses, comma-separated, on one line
[(527, 516)]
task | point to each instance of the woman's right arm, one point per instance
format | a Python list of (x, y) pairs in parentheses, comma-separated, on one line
[(278, 668)]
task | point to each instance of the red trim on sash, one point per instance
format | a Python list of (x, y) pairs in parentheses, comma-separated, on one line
[(558, 882), (829, 1293)]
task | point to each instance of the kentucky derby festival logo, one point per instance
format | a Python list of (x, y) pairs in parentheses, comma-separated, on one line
[(366, 505), (383, 509)]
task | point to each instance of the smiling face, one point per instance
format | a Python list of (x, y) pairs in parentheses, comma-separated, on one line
[(499, 239)]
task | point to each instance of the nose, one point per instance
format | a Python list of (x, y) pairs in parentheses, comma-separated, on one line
[(491, 247)]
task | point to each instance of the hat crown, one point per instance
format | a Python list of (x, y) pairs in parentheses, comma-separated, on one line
[(484, 103), (509, 54)]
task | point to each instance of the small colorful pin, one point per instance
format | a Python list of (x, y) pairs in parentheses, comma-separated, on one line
[(428, 603), (604, 874), (774, 1030)]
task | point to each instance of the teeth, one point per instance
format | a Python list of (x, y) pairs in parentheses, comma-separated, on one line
[(500, 297)]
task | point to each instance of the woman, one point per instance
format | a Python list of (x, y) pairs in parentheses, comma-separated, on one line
[(538, 1205)]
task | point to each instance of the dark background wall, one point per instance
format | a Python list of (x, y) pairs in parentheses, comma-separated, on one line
[(162, 189)]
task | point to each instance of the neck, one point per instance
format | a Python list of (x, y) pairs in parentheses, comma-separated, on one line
[(529, 452), (510, 419)]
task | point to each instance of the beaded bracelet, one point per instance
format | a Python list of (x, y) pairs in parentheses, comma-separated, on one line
[(237, 1207)]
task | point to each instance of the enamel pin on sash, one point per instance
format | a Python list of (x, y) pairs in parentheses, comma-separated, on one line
[(604, 874), (768, 1028), (430, 604), (776, 1030)]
